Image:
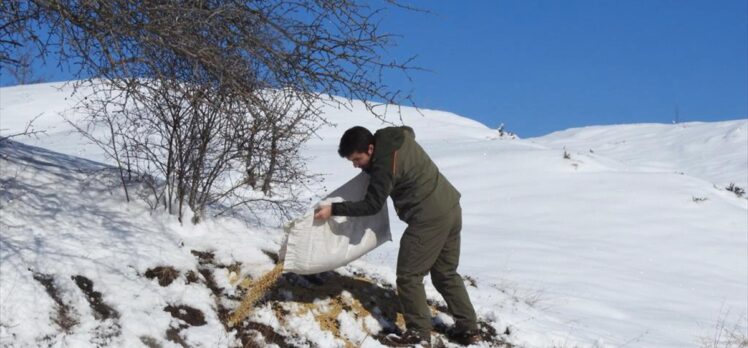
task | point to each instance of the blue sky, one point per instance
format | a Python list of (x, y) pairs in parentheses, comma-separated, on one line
[(541, 66), (544, 65)]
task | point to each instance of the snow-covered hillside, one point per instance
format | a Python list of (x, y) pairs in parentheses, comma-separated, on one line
[(629, 240), (715, 152)]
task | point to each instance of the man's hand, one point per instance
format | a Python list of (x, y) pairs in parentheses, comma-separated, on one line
[(323, 213)]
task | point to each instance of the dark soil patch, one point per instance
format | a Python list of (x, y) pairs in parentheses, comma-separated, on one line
[(203, 257), (247, 333), (206, 270), (377, 297), (102, 311), (165, 274), (172, 334), (210, 282), (192, 277), (187, 316), (487, 333), (380, 301), (191, 316), (207, 263), (150, 342), (63, 316)]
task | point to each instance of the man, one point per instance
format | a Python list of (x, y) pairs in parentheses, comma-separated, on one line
[(430, 205)]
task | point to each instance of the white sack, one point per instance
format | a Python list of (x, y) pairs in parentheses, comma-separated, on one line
[(315, 246)]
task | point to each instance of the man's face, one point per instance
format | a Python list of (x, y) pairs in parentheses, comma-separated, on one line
[(361, 159)]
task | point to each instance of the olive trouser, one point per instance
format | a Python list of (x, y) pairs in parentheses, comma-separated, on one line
[(433, 246)]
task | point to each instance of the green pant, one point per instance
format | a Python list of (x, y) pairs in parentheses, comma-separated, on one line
[(433, 246)]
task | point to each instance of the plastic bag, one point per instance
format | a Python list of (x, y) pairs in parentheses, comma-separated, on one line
[(315, 246)]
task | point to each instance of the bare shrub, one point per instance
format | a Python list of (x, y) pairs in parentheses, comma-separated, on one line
[(726, 334), (207, 102), (737, 190), (566, 154)]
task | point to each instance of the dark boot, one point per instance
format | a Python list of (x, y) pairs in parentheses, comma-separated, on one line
[(408, 339), (463, 337)]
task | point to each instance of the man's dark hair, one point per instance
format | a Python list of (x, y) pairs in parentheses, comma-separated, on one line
[(356, 139)]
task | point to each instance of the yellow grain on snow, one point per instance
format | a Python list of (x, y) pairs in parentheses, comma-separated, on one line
[(257, 290)]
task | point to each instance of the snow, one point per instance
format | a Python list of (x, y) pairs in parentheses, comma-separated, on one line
[(715, 152), (631, 241)]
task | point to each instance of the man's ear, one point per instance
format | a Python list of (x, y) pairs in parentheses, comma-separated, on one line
[(370, 151)]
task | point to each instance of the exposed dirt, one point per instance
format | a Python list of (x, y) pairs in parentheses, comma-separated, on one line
[(204, 257), (370, 295), (290, 294), (109, 327), (249, 333), (187, 316), (293, 294), (191, 316), (102, 311), (165, 274), (172, 334), (64, 316), (192, 277), (150, 342)]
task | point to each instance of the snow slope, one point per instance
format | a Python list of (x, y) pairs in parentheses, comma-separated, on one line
[(715, 152), (63, 217), (635, 243)]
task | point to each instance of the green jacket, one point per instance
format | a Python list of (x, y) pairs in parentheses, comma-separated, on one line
[(401, 168)]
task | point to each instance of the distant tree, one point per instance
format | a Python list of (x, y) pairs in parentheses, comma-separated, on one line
[(737, 190), (505, 133), (190, 93), (566, 154)]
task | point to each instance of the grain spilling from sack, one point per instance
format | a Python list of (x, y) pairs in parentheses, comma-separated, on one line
[(256, 290)]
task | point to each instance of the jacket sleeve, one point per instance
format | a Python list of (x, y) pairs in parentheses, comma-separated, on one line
[(380, 186)]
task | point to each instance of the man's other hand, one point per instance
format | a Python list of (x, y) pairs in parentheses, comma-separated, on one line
[(323, 213)]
